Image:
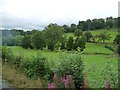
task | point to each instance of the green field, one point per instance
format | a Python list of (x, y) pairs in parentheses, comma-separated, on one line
[(113, 32), (94, 64), (96, 48), (99, 62)]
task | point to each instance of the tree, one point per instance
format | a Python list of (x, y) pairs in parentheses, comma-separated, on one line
[(75, 46), (26, 42), (70, 43), (66, 28), (81, 42), (84, 25), (88, 23), (94, 38), (38, 40), (79, 25), (104, 36), (109, 22), (17, 41), (97, 24), (118, 24), (73, 28), (78, 33), (53, 35), (88, 35), (34, 31)]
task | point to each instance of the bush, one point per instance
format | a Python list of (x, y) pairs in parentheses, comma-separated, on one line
[(7, 55), (34, 66), (72, 65), (18, 61)]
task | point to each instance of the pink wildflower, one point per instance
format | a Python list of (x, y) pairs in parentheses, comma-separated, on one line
[(51, 85), (66, 81)]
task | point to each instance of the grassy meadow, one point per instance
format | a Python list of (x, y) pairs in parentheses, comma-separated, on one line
[(96, 59)]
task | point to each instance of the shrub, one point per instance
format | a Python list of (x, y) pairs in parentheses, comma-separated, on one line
[(72, 65), (35, 66), (18, 61), (7, 55)]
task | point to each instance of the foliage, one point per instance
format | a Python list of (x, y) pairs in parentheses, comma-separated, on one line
[(66, 28), (117, 42), (7, 55), (72, 65), (73, 28), (117, 39), (118, 49), (70, 44), (53, 35), (12, 40), (26, 42), (63, 42), (18, 61), (81, 42), (88, 36), (113, 78), (35, 66), (109, 22), (95, 79), (78, 33), (38, 40), (62, 45), (104, 36), (11, 37)]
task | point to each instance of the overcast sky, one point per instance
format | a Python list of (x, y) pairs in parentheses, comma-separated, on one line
[(36, 14)]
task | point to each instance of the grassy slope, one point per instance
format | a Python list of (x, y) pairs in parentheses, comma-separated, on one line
[(96, 48), (94, 63), (113, 32)]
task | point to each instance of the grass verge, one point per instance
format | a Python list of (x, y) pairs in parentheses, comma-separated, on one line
[(18, 79)]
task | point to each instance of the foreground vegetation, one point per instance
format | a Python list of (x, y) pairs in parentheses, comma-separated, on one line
[(95, 76)]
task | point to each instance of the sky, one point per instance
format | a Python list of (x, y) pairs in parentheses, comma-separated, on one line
[(36, 14)]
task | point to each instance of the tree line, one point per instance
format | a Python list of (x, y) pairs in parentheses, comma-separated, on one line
[(54, 36), (93, 24)]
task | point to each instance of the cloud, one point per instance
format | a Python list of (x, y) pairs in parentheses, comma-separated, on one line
[(39, 13)]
